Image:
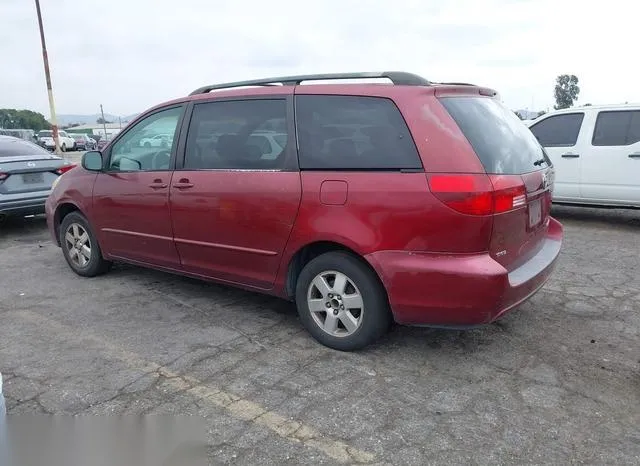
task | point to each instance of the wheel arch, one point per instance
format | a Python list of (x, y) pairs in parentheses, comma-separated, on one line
[(312, 250), (64, 209)]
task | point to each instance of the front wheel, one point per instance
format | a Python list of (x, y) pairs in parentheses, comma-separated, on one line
[(341, 302), (80, 246)]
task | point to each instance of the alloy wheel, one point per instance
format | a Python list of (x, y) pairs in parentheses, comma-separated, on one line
[(78, 245), (335, 303)]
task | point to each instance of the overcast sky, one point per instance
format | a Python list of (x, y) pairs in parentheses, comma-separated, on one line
[(132, 54)]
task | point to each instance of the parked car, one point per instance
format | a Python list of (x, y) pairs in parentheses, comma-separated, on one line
[(102, 142), (84, 142), (45, 139), (440, 217), (27, 173), (158, 140), (596, 153)]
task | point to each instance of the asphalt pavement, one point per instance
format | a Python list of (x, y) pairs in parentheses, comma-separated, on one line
[(555, 382)]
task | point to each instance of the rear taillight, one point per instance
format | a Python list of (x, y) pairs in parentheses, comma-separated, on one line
[(467, 194), (509, 193), (479, 194), (65, 169), (3, 176)]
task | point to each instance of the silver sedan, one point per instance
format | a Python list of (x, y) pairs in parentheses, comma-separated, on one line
[(27, 173)]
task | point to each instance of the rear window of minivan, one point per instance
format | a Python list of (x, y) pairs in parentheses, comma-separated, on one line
[(502, 142)]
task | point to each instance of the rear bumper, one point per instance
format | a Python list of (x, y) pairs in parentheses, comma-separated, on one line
[(24, 206), (461, 290)]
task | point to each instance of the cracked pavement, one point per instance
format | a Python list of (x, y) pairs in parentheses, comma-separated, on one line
[(555, 382)]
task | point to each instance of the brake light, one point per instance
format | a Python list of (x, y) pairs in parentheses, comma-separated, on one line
[(467, 194), (479, 194), (65, 169)]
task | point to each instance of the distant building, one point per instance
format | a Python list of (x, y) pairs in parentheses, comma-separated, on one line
[(97, 129)]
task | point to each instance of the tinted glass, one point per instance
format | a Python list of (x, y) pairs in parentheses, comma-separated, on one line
[(45, 134), (558, 130), (500, 139), (133, 153), (237, 135), (617, 128), (10, 147), (353, 133), (633, 135)]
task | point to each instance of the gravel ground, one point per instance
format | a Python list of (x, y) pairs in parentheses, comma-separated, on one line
[(555, 382)]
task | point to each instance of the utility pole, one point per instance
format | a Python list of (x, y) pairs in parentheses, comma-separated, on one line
[(45, 59), (104, 123)]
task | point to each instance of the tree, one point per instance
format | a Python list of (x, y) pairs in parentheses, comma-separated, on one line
[(10, 118), (100, 121), (566, 91)]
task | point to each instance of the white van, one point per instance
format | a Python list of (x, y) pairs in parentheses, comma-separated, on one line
[(596, 154)]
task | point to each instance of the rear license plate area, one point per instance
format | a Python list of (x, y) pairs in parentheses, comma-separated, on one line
[(535, 213), (32, 178)]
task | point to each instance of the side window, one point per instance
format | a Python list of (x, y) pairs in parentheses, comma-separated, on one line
[(617, 128), (147, 146), (558, 130), (633, 135), (238, 134), (358, 133)]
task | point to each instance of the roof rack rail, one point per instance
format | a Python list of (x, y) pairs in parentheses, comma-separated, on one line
[(400, 78), (456, 84)]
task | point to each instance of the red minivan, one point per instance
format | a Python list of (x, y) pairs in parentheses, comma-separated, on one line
[(419, 202)]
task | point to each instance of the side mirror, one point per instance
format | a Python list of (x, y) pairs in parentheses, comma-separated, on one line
[(92, 161)]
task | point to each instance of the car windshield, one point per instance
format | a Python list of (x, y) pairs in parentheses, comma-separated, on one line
[(12, 147)]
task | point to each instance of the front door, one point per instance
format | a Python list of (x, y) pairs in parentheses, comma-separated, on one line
[(236, 197), (611, 166), (131, 198), (558, 134)]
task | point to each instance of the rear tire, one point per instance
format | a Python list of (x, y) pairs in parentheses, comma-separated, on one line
[(80, 246), (341, 302), (64, 148)]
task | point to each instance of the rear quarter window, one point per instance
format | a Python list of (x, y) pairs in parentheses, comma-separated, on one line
[(353, 133), (500, 139), (617, 128)]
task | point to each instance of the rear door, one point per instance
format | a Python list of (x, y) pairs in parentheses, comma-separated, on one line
[(520, 172), (559, 135), (233, 201), (611, 165)]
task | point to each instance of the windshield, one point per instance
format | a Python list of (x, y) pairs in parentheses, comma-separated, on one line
[(12, 147), (500, 139)]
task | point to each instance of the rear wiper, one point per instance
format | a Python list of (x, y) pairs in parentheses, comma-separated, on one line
[(539, 162)]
